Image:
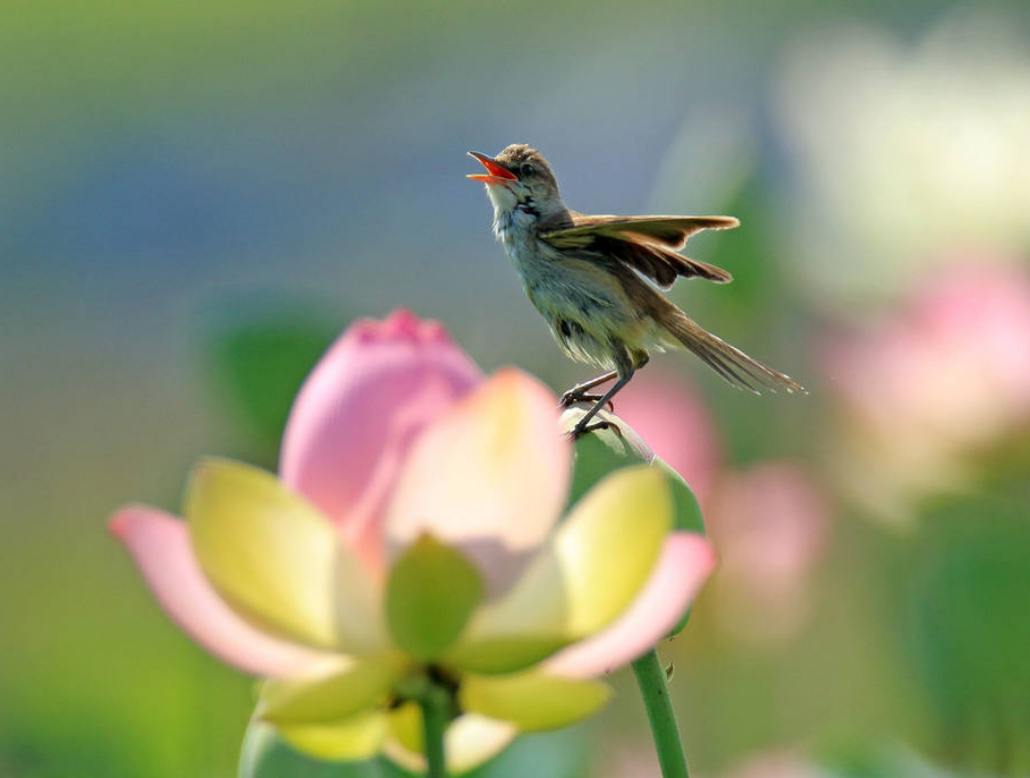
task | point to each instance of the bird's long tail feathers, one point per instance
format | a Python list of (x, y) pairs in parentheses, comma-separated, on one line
[(728, 361)]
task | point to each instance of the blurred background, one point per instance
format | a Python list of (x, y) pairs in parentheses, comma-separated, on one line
[(196, 197)]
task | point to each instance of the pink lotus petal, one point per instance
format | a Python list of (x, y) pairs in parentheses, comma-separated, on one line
[(490, 476), (686, 561), (669, 413), (160, 545), (358, 412)]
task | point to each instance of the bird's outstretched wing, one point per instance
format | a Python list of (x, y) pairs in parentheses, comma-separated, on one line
[(646, 243)]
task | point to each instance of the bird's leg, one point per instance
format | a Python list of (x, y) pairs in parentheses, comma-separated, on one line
[(578, 393), (626, 365), (590, 397), (581, 425)]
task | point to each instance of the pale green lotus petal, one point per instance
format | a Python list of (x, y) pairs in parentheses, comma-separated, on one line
[(610, 543), (533, 701), (430, 595), (470, 740), (352, 739), (268, 552), (338, 691), (503, 654), (573, 588)]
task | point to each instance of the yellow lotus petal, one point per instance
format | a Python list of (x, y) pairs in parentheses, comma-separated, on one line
[(269, 553), (610, 543), (352, 739), (360, 621), (533, 701), (600, 558), (470, 740), (683, 566), (490, 477), (342, 689), (160, 545)]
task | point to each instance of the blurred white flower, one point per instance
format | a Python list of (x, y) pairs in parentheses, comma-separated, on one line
[(905, 152)]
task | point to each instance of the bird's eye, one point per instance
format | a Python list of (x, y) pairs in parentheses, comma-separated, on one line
[(527, 170)]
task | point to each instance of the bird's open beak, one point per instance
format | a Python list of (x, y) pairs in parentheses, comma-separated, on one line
[(496, 173)]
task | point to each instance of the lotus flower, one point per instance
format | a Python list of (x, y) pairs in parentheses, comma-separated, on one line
[(414, 531)]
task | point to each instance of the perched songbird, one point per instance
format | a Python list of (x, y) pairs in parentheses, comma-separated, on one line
[(596, 279)]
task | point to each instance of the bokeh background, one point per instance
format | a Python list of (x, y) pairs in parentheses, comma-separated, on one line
[(196, 197)]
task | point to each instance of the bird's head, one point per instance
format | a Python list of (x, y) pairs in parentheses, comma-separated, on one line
[(519, 177)]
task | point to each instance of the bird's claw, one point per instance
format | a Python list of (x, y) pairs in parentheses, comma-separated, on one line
[(572, 397), (579, 430)]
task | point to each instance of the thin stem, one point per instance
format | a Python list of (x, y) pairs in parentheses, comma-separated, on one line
[(435, 704), (664, 730)]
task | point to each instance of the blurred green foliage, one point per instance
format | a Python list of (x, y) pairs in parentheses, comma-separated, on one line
[(258, 367), (969, 600)]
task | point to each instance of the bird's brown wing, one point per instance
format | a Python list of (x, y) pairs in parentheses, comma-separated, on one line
[(646, 243), (669, 231)]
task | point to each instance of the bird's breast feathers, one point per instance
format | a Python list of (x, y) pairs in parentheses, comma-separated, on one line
[(584, 304)]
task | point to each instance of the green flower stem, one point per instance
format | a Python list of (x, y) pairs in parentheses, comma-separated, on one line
[(436, 704), (664, 730)]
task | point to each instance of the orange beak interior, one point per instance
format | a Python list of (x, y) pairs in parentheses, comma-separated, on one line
[(495, 172)]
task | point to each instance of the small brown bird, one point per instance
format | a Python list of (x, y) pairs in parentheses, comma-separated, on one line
[(596, 279)]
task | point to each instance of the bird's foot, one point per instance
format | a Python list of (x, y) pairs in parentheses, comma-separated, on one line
[(572, 397), (582, 429)]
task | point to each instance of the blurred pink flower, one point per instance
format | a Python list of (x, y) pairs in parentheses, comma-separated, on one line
[(411, 484), (932, 383), (669, 413), (777, 765), (770, 524)]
